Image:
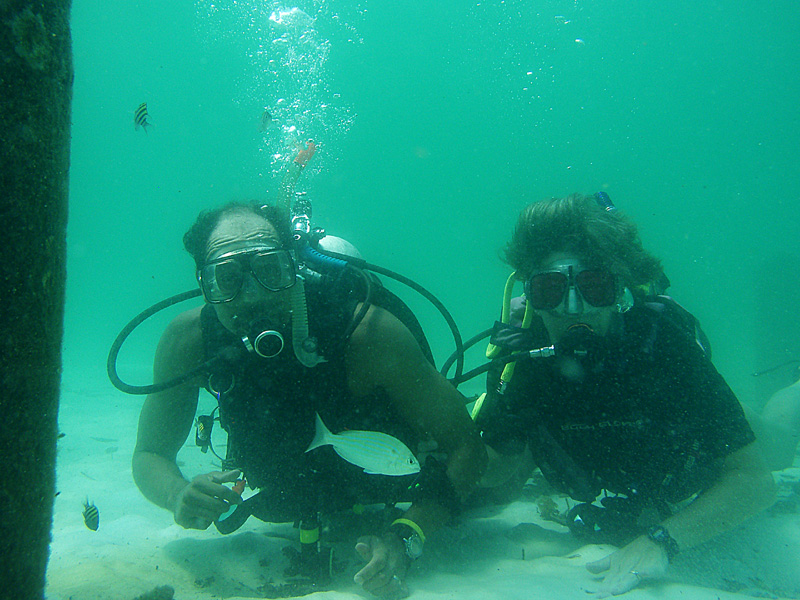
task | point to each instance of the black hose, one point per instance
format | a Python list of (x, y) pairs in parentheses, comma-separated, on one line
[(353, 262), (364, 305), (775, 368), (362, 264), (486, 366), (467, 345), (111, 365)]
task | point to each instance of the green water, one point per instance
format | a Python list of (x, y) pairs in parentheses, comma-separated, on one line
[(436, 123)]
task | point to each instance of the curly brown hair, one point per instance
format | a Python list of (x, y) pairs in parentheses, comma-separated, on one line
[(577, 223)]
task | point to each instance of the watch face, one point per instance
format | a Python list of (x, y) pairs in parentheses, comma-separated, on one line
[(659, 534), (414, 546)]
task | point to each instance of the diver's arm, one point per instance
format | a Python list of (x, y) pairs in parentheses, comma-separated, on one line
[(744, 488), (166, 417), (384, 354), (502, 468), (164, 423), (777, 427)]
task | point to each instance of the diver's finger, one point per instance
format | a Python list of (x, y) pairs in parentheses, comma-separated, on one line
[(364, 548), (367, 574), (206, 513), (225, 476), (598, 566), (202, 501), (625, 583), (201, 523), (373, 569), (395, 589), (210, 487), (380, 580)]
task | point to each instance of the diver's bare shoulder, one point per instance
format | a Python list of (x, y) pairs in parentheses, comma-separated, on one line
[(167, 415), (380, 349), (181, 346)]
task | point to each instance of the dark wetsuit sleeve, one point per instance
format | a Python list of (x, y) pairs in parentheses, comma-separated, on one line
[(502, 430), (707, 398)]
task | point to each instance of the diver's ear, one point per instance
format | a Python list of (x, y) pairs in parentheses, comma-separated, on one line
[(624, 300)]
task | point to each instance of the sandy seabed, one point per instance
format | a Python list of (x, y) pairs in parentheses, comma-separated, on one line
[(499, 552)]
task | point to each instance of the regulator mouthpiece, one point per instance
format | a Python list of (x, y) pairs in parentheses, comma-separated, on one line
[(263, 340), (578, 340)]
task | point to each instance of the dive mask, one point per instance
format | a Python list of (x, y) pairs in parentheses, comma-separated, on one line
[(567, 285), (222, 279)]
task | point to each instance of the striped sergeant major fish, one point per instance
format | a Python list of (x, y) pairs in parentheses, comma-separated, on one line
[(140, 117), (91, 516), (375, 452)]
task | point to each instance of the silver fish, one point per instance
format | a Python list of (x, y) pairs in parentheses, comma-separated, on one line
[(265, 122), (375, 452), (91, 516), (140, 117)]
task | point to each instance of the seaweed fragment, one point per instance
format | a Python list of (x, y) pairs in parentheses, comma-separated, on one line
[(162, 592)]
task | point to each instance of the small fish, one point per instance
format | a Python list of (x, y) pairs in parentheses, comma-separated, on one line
[(375, 452), (91, 516), (140, 117), (265, 122)]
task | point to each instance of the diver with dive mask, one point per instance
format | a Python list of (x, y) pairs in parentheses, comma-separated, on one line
[(357, 361), (648, 422)]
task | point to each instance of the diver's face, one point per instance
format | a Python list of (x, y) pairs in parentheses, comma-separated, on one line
[(240, 231), (564, 291)]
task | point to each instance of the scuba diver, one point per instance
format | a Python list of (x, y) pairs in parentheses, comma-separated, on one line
[(295, 345), (608, 388)]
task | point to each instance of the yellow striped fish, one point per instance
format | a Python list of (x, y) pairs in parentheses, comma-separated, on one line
[(375, 452), (140, 117), (91, 516)]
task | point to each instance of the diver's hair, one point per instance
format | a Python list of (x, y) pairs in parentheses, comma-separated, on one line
[(577, 223), (196, 239)]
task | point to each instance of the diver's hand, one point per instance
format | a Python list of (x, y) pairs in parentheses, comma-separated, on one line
[(386, 566), (624, 569), (204, 499)]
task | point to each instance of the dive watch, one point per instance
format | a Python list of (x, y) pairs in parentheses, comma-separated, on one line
[(411, 539), (659, 535)]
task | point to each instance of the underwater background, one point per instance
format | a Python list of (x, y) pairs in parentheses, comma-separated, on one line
[(436, 122)]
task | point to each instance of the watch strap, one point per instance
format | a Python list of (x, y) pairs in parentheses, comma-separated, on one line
[(659, 535), (411, 535)]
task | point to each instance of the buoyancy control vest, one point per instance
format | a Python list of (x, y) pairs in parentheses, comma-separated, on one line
[(268, 406), (652, 315)]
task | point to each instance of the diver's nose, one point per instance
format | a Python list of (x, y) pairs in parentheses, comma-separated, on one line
[(574, 303), (250, 295), (251, 290)]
